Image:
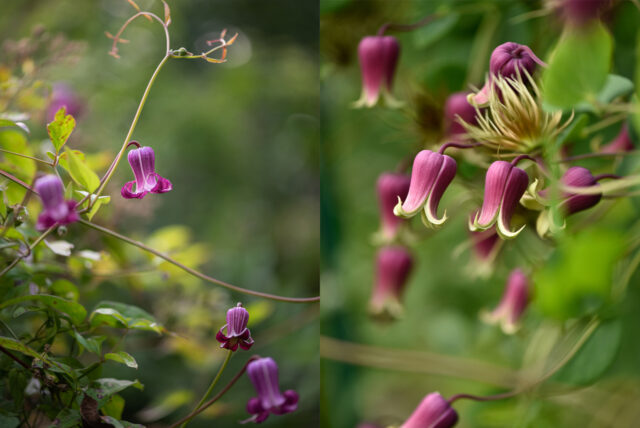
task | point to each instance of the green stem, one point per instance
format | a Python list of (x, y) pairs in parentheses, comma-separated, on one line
[(195, 272), (213, 384), (31, 247), (26, 156), (116, 161)]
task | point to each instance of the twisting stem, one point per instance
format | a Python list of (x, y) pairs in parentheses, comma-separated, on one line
[(217, 396), (517, 159), (213, 384), (116, 161), (457, 145), (406, 27), (195, 272)]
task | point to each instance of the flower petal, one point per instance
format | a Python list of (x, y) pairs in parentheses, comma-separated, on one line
[(446, 175), (426, 167), (162, 185), (128, 193), (515, 188), (494, 189)]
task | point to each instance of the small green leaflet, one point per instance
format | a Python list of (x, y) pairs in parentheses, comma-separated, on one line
[(61, 127)]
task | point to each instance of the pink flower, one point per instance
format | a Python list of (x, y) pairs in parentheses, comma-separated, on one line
[(390, 187), (263, 373), (457, 106), (142, 161), (378, 57), (513, 303), (56, 209), (504, 186), (622, 142), (237, 332), (430, 176), (393, 267), (433, 412)]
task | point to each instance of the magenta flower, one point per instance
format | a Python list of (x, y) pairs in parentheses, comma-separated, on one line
[(142, 161), (513, 303), (580, 12), (393, 267), (504, 186), (56, 209), (430, 176), (378, 59), (507, 60), (433, 412), (263, 373), (237, 332), (485, 245), (457, 106), (63, 96), (390, 187), (577, 176), (622, 142)]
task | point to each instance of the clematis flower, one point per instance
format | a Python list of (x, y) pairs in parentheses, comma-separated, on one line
[(622, 142), (237, 332), (433, 412), (378, 57), (504, 186), (393, 267), (390, 187), (142, 161), (56, 209), (430, 176), (456, 106), (513, 303), (485, 245), (63, 96), (578, 176), (507, 60), (263, 373)]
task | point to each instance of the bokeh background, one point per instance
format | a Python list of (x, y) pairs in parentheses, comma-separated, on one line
[(440, 344), (239, 141)]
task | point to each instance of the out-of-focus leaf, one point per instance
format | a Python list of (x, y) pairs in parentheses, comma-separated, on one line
[(120, 424), (615, 86), (435, 30), (121, 315), (578, 66), (68, 418), (123, 358), (91, 344), (64, 289), (114, 407), (15, 345), (166, 405), (7, 421), (594, 357), (79, 171), (18, 381), (75, 311), (259, 310), (8, 122), (61, 127), (101, 389)]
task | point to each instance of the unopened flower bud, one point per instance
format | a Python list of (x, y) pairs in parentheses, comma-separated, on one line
[(622, 142), (390, 187), (457, 106), (433, 412), (393, 267), (513, 303), (378, 57)]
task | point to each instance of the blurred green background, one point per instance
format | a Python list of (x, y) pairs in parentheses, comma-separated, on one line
[(239, 141), (440, 344)]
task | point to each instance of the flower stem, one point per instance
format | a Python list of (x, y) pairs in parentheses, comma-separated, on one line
[(27, 157), (406, 27), (195, 272), (213, 384), (457, 145), (116, 161), (217, 396)]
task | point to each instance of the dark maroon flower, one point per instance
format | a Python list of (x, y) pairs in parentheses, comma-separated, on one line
[(504, 186), (143, 161), (433, 412), (393, 267), (56, 209), (457, 106), (378, 57), (263, 373), (390, 187), (237, 332)]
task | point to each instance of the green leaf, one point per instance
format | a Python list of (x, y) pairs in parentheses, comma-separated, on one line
[(123, 358), (9, 421), (65, 289), (578, 66), (435, 30), (60, 129), (101, 200), (80, 172), (75, 311), (8, 122), (101, 389), (114, 407), (15, 345), (594, 357), (68, 418), (91, 344), (120, 424), (18, 381), (615, 86), (121, 315)]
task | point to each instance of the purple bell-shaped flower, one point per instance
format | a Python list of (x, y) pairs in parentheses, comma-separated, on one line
[(143, 161), (56, 210), (237, 332), (263, 373)]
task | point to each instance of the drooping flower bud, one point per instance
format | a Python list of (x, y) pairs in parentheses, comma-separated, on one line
[(56, 209), (430, 176), (263, 373), (485, 245), (513, 303), (622, 142), (507, 60), (390, 187), (433, 412), (393, 267), (378, 57), (63, 96), (142, 161), (577, 176), (456, 106), (237, 332), (504, 186)]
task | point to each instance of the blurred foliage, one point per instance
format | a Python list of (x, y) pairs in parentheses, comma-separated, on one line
[(587, 270), (238, 140)]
